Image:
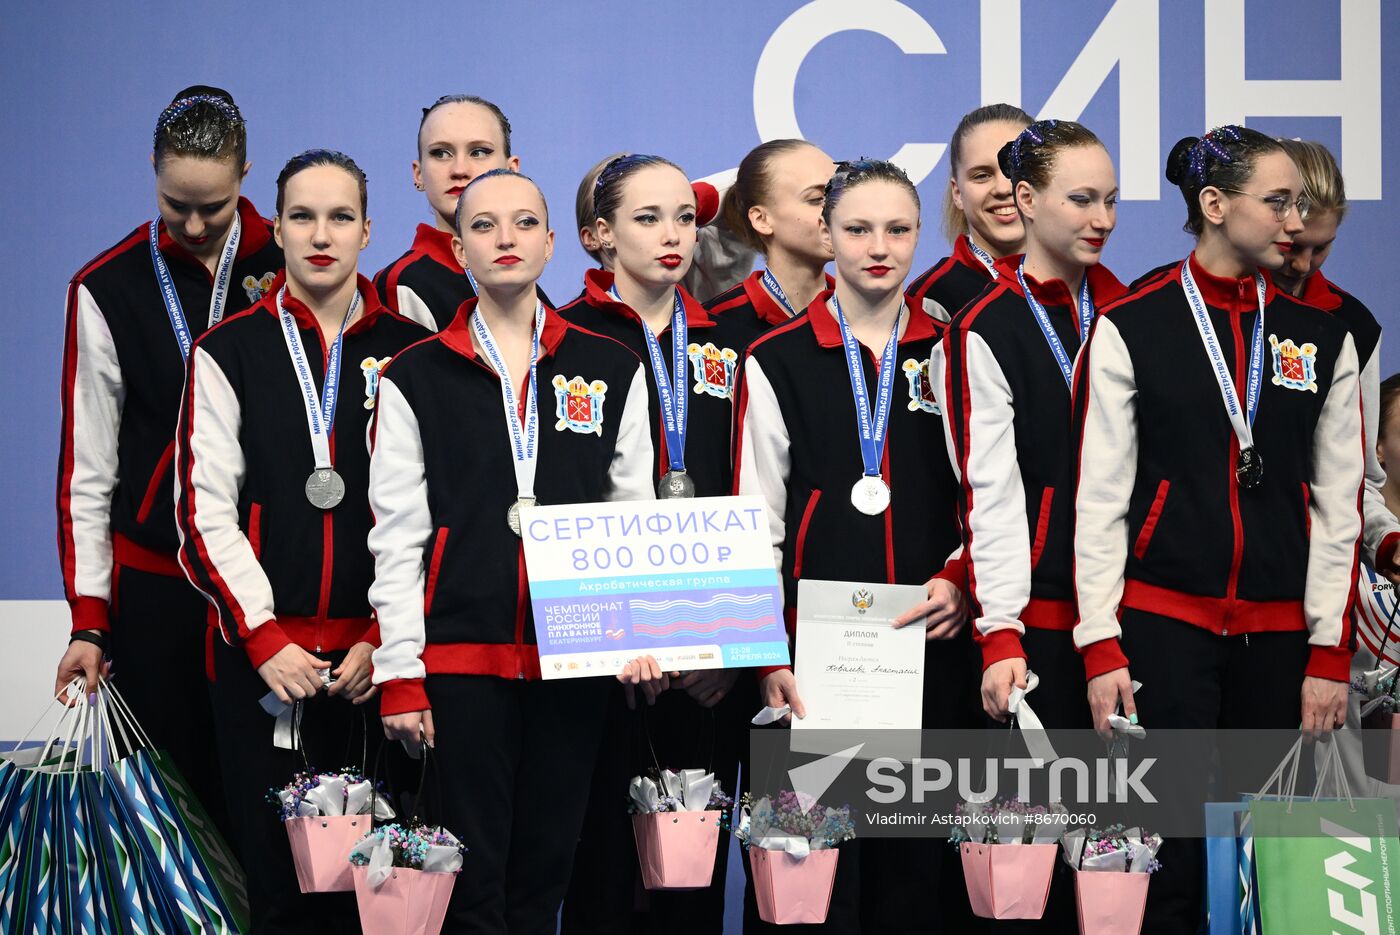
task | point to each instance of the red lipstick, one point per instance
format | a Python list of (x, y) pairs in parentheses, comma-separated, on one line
[(508, 259), (1284, 247), (1096, 242), (197, 241), (670, 260), (879, 270), (320, 259), (456, 190)]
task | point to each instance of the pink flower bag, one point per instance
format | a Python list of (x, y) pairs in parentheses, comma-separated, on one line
[(676, 850), (1008, 881), (791, 891)]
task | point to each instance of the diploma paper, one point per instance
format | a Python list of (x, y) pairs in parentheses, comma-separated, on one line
[(862, 681)]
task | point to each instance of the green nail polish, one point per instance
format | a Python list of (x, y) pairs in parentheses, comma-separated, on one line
[(1132, 719)]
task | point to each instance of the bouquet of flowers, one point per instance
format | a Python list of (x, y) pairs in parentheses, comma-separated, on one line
[(1008, 855), (1112, 867), (403, 877), (324, 814), (676, 817), (791, 841)]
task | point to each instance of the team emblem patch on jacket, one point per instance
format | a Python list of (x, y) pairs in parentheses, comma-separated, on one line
[(371, 368), (920, 387), (714, 369), (257, 288), (1295, 368), (579, 404)]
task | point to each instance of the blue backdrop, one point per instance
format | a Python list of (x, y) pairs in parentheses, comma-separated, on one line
[(701, 83)]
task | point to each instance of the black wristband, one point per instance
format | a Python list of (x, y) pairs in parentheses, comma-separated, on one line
[(95, 637)]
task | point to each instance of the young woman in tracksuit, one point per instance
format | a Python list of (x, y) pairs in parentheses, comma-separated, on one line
[(646, 225), (1301, 276), (460, 137), (1217, 505), (1002, 375), (273, 511), (846, 507), (979, 213), (775, 206), (458, 664), (720, 254), (124, 355)]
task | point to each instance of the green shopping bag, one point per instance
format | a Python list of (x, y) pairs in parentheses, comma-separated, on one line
[(1322, 865)]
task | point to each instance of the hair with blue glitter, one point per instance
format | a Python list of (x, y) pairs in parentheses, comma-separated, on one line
[(204, 122), (607, 191), (849, 175), (1030, 158), (1224, 158)]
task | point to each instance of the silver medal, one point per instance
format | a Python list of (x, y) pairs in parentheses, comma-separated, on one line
[(513, 513), (675, 485), (871, 495), (325, 489)]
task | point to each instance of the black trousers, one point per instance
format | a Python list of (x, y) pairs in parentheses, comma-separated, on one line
[(1062, 703), (515, 757), (605, 892), (252, 766), (1192, 678), (157, 648), (905, 885)]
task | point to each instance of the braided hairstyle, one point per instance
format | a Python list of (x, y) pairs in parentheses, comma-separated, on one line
[(1223, 158), (201, 121)]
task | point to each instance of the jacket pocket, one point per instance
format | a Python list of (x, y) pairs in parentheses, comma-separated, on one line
[(434, 566), (153, 487), (1149, 525), (1042, 525), (801, 543), (255, 529)]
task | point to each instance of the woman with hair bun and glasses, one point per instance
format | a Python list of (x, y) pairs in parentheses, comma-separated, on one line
[(273, 511), (979, 213), (775, 207), (132, 314), (847, 501), (1219, 483)]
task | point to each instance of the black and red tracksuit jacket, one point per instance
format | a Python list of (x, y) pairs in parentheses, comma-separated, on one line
[(121, 382), (426, 284), (797, 446), (277, 569), (1162, 523), (1007, 411), (712, 362), (451, 593), (750, 306), (946, 287)]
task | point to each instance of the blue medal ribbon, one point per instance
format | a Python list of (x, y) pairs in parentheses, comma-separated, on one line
[(871, 426), (770, 282), (1047, 328), (524, 437), (320, 413), (171, 298), (472, 279), (982, 255), (1242, 421), (670, 390)]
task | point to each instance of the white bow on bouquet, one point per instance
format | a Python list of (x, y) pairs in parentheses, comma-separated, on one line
[(689, 790), (431, 850), (761, 824)]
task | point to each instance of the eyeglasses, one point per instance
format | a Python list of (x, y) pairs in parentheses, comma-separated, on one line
[(1280, 204)]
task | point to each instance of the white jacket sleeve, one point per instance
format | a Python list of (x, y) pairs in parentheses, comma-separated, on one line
[(1338, 466), (1379, 523), (398, 497), (92, 398), (215, 554), (630, 475), (1108, 454), (414, 308), (979, 427), (765, 463)]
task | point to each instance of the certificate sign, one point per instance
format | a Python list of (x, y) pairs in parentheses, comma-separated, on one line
[(861, 680), (690, 582)]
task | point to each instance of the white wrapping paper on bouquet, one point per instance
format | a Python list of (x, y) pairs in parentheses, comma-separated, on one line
[(375, 847), (1135, 856), (690, 791), (333, 796)]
